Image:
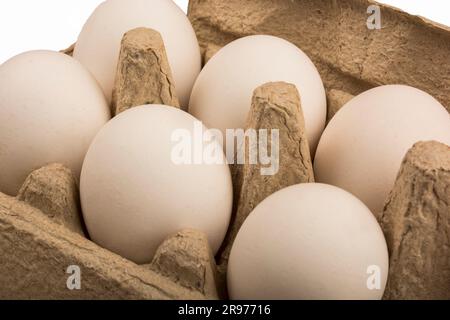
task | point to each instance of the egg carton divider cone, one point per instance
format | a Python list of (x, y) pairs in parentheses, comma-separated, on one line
[(416, 224), (41, 231), (274, 106), (143, 56)]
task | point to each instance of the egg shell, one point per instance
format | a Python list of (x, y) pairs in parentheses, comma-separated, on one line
[(222, 94), (98, 44), (362, 148), (134, 195), (50, 110), (308, 241)]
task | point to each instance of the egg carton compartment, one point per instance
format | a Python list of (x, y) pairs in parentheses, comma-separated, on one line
[(41, 246), (42, 234), (349, 56)]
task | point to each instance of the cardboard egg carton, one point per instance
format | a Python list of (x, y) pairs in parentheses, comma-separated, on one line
[(43, 242)]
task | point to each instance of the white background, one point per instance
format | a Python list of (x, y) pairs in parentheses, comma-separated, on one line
[(55, 24)]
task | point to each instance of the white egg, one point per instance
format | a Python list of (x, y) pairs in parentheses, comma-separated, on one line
[(222, 94), (363, 146), (98, 45), (134, 193), (309, 241), (50, 110)]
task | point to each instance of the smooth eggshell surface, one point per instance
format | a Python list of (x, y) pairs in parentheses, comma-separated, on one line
[(134, 195), (50, 110), (309, 241), (98, 44), (222, 94), (363, 146)]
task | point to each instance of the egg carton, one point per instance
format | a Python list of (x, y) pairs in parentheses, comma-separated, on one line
[(43, 242)]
